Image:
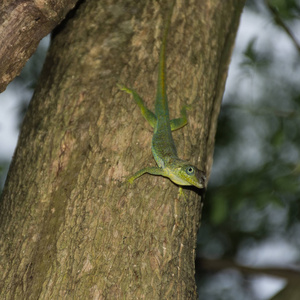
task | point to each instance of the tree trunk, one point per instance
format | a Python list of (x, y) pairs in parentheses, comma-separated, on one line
[(69, 227)]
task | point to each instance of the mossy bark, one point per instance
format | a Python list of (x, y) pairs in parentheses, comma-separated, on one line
[(69, 227)]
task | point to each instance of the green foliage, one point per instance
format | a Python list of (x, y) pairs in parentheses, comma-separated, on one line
[(254, 57), (288, 9), (254, 191)]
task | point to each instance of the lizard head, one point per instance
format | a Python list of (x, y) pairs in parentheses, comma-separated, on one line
[(187, 174)]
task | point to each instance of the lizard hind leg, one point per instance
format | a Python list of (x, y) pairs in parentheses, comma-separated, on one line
[(182, 121), (147, 113)]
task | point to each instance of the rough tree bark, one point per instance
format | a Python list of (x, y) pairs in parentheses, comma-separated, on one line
[(68, 226), (23, 24)]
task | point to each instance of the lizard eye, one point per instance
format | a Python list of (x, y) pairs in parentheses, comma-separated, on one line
[(190, 170)]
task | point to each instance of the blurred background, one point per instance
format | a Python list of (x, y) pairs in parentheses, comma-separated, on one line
[(249, 240)]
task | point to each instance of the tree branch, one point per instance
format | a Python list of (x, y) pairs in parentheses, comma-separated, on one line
[(292, 275), (280, 23), (22, 25)]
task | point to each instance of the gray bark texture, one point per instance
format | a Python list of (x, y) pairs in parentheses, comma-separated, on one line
[(69, 226)]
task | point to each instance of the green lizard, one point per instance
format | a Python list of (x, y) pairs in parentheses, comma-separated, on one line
[(163, 147)]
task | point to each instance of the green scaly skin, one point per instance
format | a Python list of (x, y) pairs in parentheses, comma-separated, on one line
[(163, 147)]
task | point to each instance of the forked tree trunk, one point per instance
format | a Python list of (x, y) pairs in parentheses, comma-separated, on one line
[(70, 228)]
